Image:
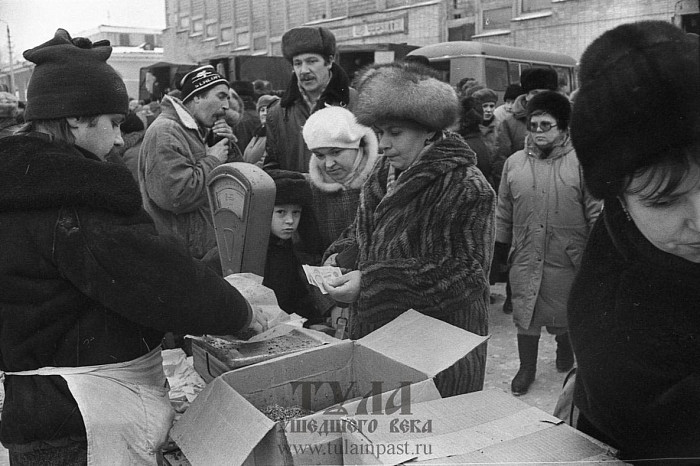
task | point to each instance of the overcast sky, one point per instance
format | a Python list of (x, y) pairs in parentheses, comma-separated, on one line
[(33, 22)]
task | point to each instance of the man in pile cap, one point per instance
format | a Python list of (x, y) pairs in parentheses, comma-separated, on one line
[(87, 286), (316, 83), (175, 159)]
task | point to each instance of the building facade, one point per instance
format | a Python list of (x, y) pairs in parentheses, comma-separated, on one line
[(373, 30)]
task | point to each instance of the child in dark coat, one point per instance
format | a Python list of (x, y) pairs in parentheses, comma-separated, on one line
[(283, 271)]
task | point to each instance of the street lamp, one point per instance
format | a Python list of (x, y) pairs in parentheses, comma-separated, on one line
[(12, 66)]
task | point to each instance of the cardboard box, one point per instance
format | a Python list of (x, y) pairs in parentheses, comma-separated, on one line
[(382, 374), (210, 362), (482, 427)]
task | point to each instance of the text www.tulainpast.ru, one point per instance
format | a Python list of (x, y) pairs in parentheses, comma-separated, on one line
[(374, 449)]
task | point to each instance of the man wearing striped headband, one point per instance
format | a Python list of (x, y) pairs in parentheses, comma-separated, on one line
[(175, 159)]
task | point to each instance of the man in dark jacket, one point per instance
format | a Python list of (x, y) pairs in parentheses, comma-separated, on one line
[(87, 287), (317, 82)]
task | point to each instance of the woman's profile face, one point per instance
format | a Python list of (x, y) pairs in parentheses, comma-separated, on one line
[(401, 142), (672, 222)]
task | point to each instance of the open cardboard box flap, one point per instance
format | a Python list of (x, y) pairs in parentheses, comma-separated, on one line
[(225, 425)]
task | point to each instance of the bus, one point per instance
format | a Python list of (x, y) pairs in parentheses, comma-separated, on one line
[(494, 66)]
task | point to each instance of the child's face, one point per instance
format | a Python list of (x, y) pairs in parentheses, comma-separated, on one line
[(285, 220)]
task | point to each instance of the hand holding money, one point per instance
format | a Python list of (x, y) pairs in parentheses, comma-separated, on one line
[(317, 276)]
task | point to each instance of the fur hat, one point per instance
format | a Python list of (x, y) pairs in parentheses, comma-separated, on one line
[(471, 116), (553, 103), (539, 78), (485, 95), (333, 127), (513, 92), (72, 78), (404, 91), (199, 80), (308, 40), (266, 101), (639, 100), (291, 188)]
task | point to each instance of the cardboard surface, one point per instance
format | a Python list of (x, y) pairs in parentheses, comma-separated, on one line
[(353, 377), (482, 427)]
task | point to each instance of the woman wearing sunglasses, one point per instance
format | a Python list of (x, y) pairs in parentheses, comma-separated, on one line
[(543, 217)]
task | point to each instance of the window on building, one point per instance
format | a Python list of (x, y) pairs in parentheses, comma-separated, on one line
[(496, 18), (197, 25), (260, 43), (211, 29), (124, 40), (183, 22), (530, 6), (226, 34)]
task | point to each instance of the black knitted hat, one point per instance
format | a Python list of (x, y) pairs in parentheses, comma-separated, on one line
[(539, 78), (199, 80), (513, 92), (553, 103), (308, 40), (639, 101), (72, 78), (291, 188)]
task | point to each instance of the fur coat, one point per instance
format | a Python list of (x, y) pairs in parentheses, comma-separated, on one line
[(635, 328), (427, 246), (336, 204), (85, 280)]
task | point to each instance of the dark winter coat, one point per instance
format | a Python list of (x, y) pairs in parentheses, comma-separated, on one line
[(86, 280), (284, 276), (635, 328), (286, 148), (428, 246)]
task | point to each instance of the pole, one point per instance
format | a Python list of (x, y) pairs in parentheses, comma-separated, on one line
[(12, 66)]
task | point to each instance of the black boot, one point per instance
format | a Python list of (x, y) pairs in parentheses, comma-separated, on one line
[(565, 354), (527, 350)]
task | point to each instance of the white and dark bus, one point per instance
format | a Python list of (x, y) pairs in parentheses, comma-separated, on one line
[(494, 66)]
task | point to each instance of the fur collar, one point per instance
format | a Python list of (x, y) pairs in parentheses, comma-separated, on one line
[(337, 92), (320, 179), (179, 110), (36, 173)]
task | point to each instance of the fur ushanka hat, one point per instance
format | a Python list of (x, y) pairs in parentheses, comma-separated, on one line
[(553, 103), (306, 39), (539, 78), (405, 91), (291, 188), (639, 97)]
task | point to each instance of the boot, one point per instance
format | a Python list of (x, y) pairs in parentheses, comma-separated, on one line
[(527, 350), (565, 354)]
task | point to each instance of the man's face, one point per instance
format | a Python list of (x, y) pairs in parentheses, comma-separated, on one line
[(210, 106), (313, 73), (100, 137)]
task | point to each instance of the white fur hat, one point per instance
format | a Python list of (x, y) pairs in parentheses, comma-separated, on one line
[(333, 126), (405, 91)]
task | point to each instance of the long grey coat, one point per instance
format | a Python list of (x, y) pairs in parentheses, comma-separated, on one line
[(545, 213)]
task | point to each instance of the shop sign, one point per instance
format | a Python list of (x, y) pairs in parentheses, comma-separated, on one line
[(391, 26)]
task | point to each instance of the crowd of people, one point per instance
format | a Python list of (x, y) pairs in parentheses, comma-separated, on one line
[(422, 193)]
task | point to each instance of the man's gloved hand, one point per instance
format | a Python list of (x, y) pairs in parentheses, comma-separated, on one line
[(500, 255)]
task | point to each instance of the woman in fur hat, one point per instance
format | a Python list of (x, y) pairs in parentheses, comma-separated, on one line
[(543, 218), (424, 228), (634, 308), (344, 154)]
